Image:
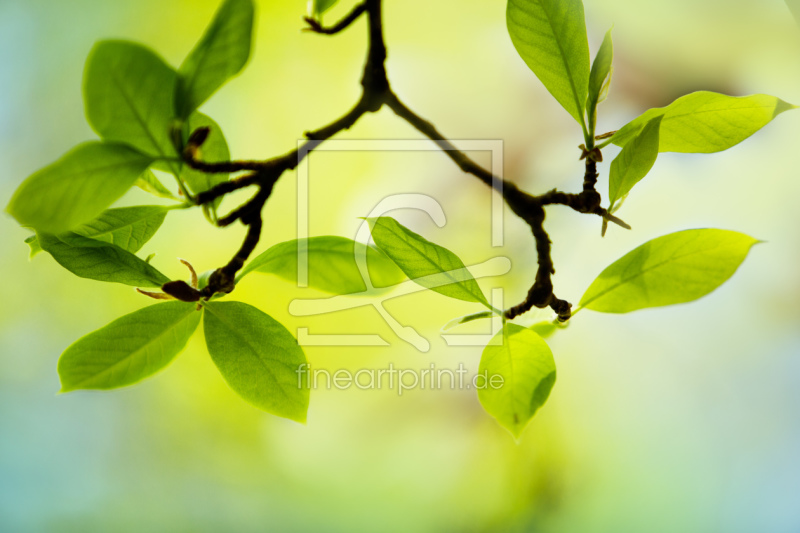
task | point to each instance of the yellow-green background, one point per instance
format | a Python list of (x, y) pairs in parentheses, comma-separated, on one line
[(678, 419)]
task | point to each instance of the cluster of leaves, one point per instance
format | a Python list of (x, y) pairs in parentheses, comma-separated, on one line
[(144, 111)]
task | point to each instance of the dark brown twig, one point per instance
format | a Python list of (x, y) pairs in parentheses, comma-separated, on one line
[(376, 92), (316, 27)]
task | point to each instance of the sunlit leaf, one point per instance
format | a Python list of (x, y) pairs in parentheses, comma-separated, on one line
[(466, 319), (550, 35), (707, 122), (127, 227), (544, 329), (101, 261), (318, 7), (600, 78), (258, 358), (34, 245), (129, 349), (77, 187), (634, 161), (332, 265), (128, 94), (148, 182), (418, 258), (676, 268), (528, 372), (220, 54)]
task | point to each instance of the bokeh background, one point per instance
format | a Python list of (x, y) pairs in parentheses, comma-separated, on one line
[(676, 419)]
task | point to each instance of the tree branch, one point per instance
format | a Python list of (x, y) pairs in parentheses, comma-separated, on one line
[(316, 27), (376, 92)]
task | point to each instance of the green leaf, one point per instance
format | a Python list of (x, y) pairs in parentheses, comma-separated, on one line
[(467, 319), (676, 268), (550, 35), (34, 245), (101, 261), (77, 187), (526, 365), (634, 161), (600, 78), (129, 349), (706, 122), (332, 264), (258, 358), (128, 94), (418, 258), (318, 7), (213, 150), (127, 227), (220, 54), (148, 182), (544, 329)]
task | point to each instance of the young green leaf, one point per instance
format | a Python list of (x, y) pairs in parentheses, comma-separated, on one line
[(148, 182), (127, 227), (676, 268), (332, 265), (634, 161), (706, 122), (77, 187), (550, 35), (528, 372), (258, 358), (219, 55), (213, 150), (418, 258), (466, 319), (101, 261), (129, 349), (600, 79), (318, 7), (34, 245), (128, 95), (545, 329)]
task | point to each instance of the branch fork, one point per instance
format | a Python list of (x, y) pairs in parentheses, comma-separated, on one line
[(377, 93)]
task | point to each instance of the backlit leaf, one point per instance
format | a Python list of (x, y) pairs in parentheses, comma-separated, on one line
[(318, 7), (128, 94), (332, 265), (77, 187), (148, 182), (600, 78), (127, 227), (550, 35), (634, 161), (129, 349), (418, 258), (220, 54), (258, 358), (528, 372), (676, 268), (706, 122), (101, 261)]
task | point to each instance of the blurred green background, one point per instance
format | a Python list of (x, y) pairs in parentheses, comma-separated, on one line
[(677, 419)]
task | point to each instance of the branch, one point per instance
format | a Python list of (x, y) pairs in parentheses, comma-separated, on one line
[(376, 92), (316, 27)]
